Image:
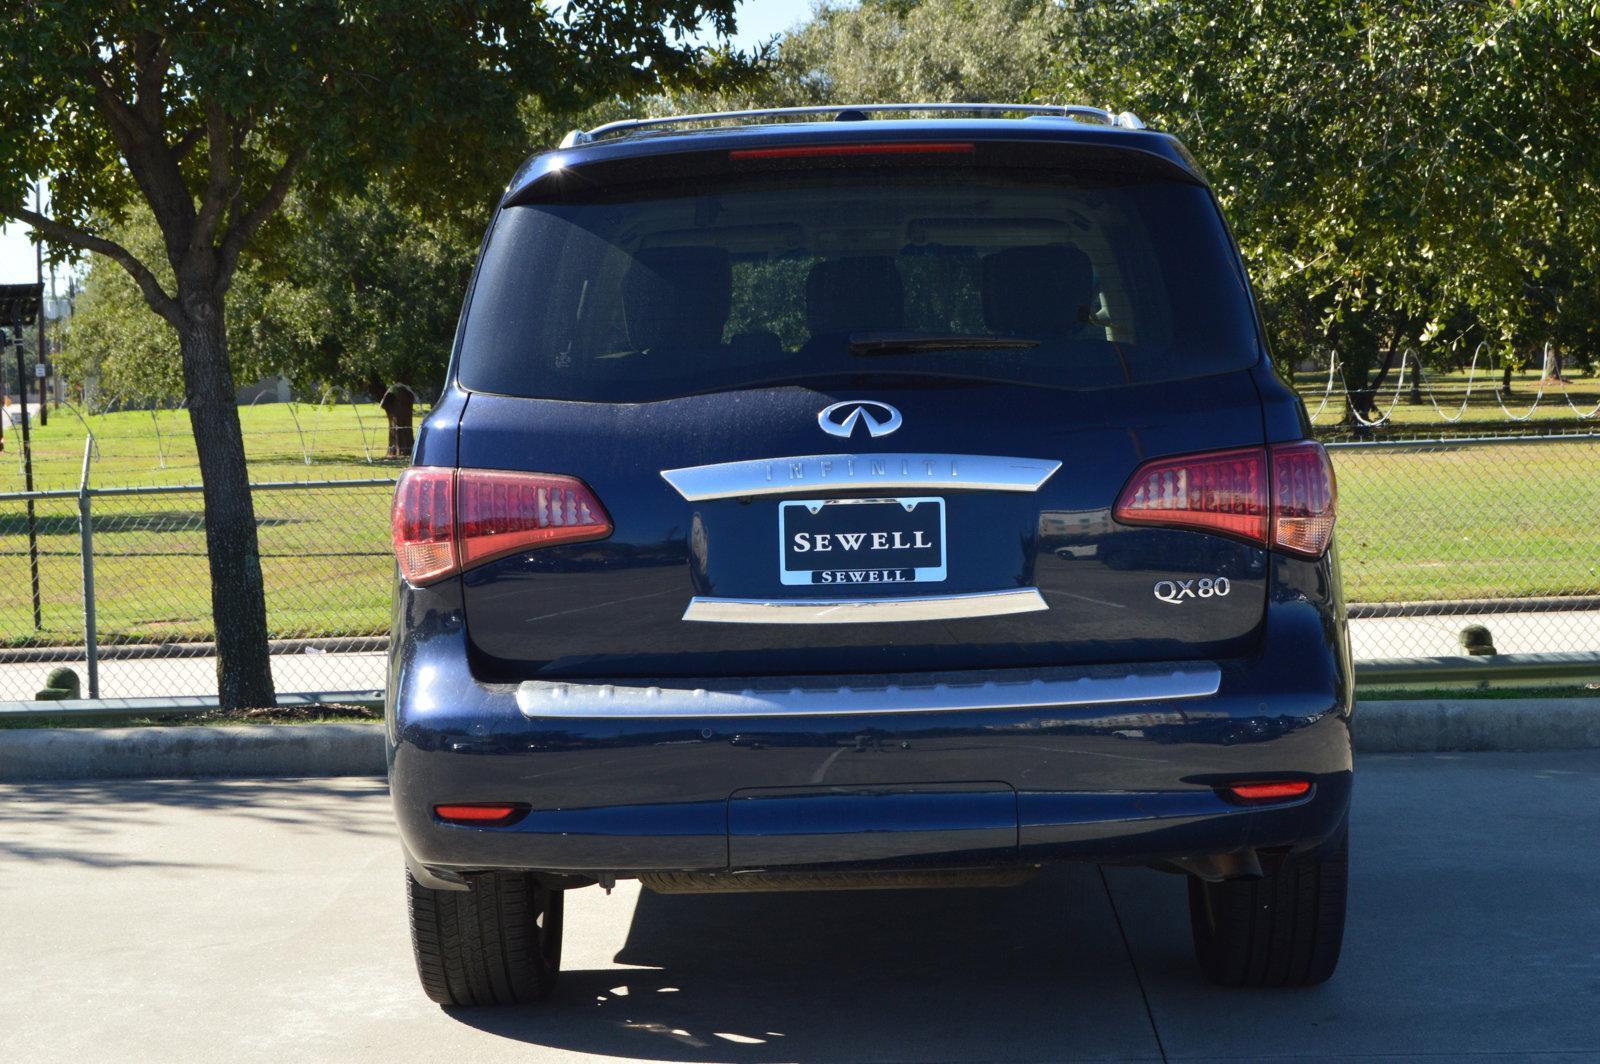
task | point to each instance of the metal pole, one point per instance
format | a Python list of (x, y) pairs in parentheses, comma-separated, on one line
[(27, 465), (91, 644)]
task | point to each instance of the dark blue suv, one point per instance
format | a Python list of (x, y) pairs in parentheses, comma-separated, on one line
[(876, 496)]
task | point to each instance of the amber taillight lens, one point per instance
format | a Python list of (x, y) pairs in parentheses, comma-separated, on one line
[(447, 520), (1304, 498), (423, 523)]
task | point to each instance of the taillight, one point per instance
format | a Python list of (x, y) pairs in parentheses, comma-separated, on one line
[(1304, 497), (1281, 496), (447, 520), (1224, 492), (423, 523)]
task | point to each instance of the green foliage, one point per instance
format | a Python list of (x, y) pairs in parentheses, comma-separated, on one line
[(131, 353), (368, 296), (893, 51), (938, 51), (175, 131), (209, 115), (357, 88), (1396, 171)]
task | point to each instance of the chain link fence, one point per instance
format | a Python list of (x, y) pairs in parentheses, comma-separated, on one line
[(1435, 536), (144, 628), (329, 439), (1438, 536)]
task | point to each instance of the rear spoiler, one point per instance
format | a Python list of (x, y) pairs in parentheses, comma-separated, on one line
[(578, 176)]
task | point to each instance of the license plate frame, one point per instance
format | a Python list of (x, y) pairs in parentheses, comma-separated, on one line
[(866, 575)]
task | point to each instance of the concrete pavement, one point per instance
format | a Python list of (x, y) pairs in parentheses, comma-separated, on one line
[(164, 677), (262, 921)]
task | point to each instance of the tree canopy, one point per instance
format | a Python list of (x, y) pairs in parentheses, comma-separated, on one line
[(1395, 170), (208, 115)]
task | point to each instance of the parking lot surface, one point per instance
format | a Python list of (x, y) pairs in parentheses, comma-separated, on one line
[(247, 920)]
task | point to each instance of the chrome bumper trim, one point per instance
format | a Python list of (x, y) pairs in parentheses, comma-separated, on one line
[(878, 472), (865, 611), (931, 693)]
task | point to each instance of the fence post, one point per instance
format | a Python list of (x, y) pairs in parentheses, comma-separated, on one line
[(91, 647)]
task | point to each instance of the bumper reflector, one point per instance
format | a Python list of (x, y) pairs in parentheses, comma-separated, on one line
[(1268, 790), (478, 813)]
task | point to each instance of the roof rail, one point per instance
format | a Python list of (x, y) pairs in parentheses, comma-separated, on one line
[(1077, 112)]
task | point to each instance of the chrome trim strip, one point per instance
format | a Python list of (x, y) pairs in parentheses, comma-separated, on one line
[(880, 472), (865, 611), (931, 693)]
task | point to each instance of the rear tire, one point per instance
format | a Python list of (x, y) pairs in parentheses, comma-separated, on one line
[(1284, 929), (496, 944)]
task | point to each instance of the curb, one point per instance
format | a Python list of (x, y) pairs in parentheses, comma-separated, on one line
[(1474, 725), (1399, 727), (183, 752)]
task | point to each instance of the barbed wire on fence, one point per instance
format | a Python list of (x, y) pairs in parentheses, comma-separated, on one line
[(1409, 356), (151, 443)]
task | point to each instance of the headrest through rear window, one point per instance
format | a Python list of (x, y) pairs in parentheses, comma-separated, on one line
[(677, 297), (855, 295), (1040, 290)]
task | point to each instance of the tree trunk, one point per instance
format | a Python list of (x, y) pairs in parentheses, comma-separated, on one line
[(1365, 399), (238, 599)]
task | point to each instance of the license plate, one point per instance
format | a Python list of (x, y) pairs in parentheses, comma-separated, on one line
[(861, 541)]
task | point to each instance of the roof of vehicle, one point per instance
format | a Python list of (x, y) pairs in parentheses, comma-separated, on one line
[(851, 124)]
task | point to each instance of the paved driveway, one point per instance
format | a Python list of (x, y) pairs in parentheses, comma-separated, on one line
[(262, 921)]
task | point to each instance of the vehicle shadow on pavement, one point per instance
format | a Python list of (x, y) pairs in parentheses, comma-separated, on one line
[(1031, 972), (89, 822)]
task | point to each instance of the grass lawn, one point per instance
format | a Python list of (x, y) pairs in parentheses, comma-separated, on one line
[(325, 553), (1506, 521), (211, 718), (325, 558), (282, 441)]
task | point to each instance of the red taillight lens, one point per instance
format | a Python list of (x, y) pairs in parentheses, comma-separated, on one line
[(423, 523), (1304, 498), (1272, 790), (478, 813), (447, 520), (1224, 492), (1282, 496), (504, 513)]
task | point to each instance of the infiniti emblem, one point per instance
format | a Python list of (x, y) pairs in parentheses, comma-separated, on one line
[(840, 419)]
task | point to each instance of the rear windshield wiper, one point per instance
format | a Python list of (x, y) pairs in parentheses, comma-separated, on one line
[(886, 343)]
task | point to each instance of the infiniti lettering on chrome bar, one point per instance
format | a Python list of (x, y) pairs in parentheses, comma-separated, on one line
[(777, 476), (878, 468)]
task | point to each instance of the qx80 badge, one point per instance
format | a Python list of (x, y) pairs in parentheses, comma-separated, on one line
[(1175, 591)]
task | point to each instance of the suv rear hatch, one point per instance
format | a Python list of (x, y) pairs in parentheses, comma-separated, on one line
[(917, 380)]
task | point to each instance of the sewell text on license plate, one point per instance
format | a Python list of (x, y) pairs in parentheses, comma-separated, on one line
[(861, 541)]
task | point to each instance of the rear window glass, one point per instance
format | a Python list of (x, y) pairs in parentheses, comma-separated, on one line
[(1070, 281)]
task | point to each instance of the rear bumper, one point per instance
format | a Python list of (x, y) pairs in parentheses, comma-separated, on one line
[(1013, 781)]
